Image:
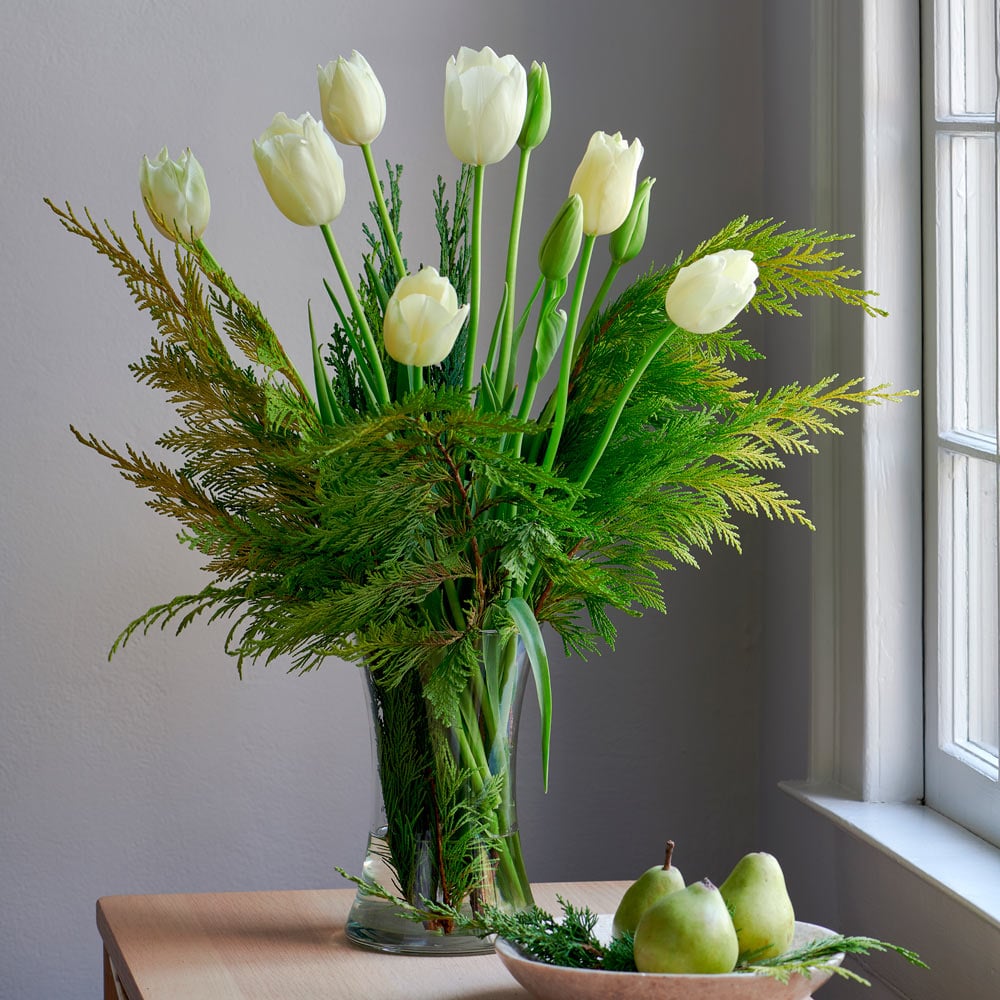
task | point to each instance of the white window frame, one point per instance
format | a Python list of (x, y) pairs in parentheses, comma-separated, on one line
[(961, 780), (866, 760), (867, 715)]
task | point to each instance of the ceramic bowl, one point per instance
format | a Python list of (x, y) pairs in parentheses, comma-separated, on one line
[(551, 982)]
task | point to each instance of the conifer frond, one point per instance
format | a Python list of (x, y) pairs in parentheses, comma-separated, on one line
[(455, 259), (344, 540)]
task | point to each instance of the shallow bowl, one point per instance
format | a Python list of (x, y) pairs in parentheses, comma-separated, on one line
[(552, 982)]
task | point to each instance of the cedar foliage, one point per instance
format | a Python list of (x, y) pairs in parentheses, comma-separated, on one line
[(348, 539)]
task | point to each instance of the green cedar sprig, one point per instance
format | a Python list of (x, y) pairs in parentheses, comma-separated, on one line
[(570, 940)]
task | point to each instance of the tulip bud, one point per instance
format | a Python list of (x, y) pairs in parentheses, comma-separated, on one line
[(605, 180), (301, 169), (485, 97), (561, 244), (539, 109), (352, 100), (422, 319), (626, 241), (175, 194), (711, 292)]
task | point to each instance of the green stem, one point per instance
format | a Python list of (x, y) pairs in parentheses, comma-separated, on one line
[(473, 758), (371, 348), (512, 246), (454, 604), (383, 211), (364, 373), (207, 259), (595, 306), (610, 424), (534, 375), (329, 410), (623, 397), (519, 329), (566, 368), (481, 725), (476, 268)]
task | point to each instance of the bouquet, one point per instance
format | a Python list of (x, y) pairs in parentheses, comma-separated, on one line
[(411, 504)]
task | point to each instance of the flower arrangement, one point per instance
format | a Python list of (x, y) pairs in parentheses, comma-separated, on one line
[(416, 509)]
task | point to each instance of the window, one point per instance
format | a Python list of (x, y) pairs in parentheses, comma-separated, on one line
[(962, 459)]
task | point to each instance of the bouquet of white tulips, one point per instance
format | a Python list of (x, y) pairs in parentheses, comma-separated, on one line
[(416, 509)]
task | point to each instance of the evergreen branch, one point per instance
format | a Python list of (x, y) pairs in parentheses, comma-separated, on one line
[(818, 953), (570, 941)]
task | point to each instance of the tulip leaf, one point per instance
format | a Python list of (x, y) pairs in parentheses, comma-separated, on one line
[(493, 402), (498, 326), (524, 618), (324, 398), (551, 331), (376, 283), (360, 358)]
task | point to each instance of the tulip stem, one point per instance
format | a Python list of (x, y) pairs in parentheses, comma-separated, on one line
[(476, 268), (504, 366), (602, 292), (566, 367), (206, 257), (623, 397), (610, 424), (383, 211), (381, 387), (549, 301)]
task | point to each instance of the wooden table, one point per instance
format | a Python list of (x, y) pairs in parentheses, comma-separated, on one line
[(289, 946)]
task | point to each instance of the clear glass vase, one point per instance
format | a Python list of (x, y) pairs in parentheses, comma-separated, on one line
[(444, 817)]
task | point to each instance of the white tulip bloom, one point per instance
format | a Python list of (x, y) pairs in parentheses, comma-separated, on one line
[(605, 180), (352, 100), (711, 292), (422, 319), (301, 169), (485, 98), (175, 194)]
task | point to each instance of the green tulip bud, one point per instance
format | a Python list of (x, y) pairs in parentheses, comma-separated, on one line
[(559, 249), (627, 240), (539, 110)]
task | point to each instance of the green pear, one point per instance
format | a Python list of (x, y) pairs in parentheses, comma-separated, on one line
[(688, 931), (652, 885), (758, 901)]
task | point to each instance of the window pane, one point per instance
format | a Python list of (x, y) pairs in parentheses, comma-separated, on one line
[(969, 601), (967, 84), (967, 296)]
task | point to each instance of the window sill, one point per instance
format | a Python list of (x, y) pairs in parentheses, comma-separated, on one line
[(942, 853)]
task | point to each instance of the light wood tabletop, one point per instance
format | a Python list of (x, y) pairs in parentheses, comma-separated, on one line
[(289, 946)]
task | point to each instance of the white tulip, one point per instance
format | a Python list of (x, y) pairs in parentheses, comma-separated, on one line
[(711, 292), (605, 180), (352, 100), (175, 194), (422, 319), (301, 169), (485, 98)]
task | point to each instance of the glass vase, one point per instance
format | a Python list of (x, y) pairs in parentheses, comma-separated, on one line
[(444, 817)]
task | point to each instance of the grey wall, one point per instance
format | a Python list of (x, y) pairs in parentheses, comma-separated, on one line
[(161, 771)]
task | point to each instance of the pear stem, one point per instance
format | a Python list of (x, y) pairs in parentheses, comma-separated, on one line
[(670, 853)]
